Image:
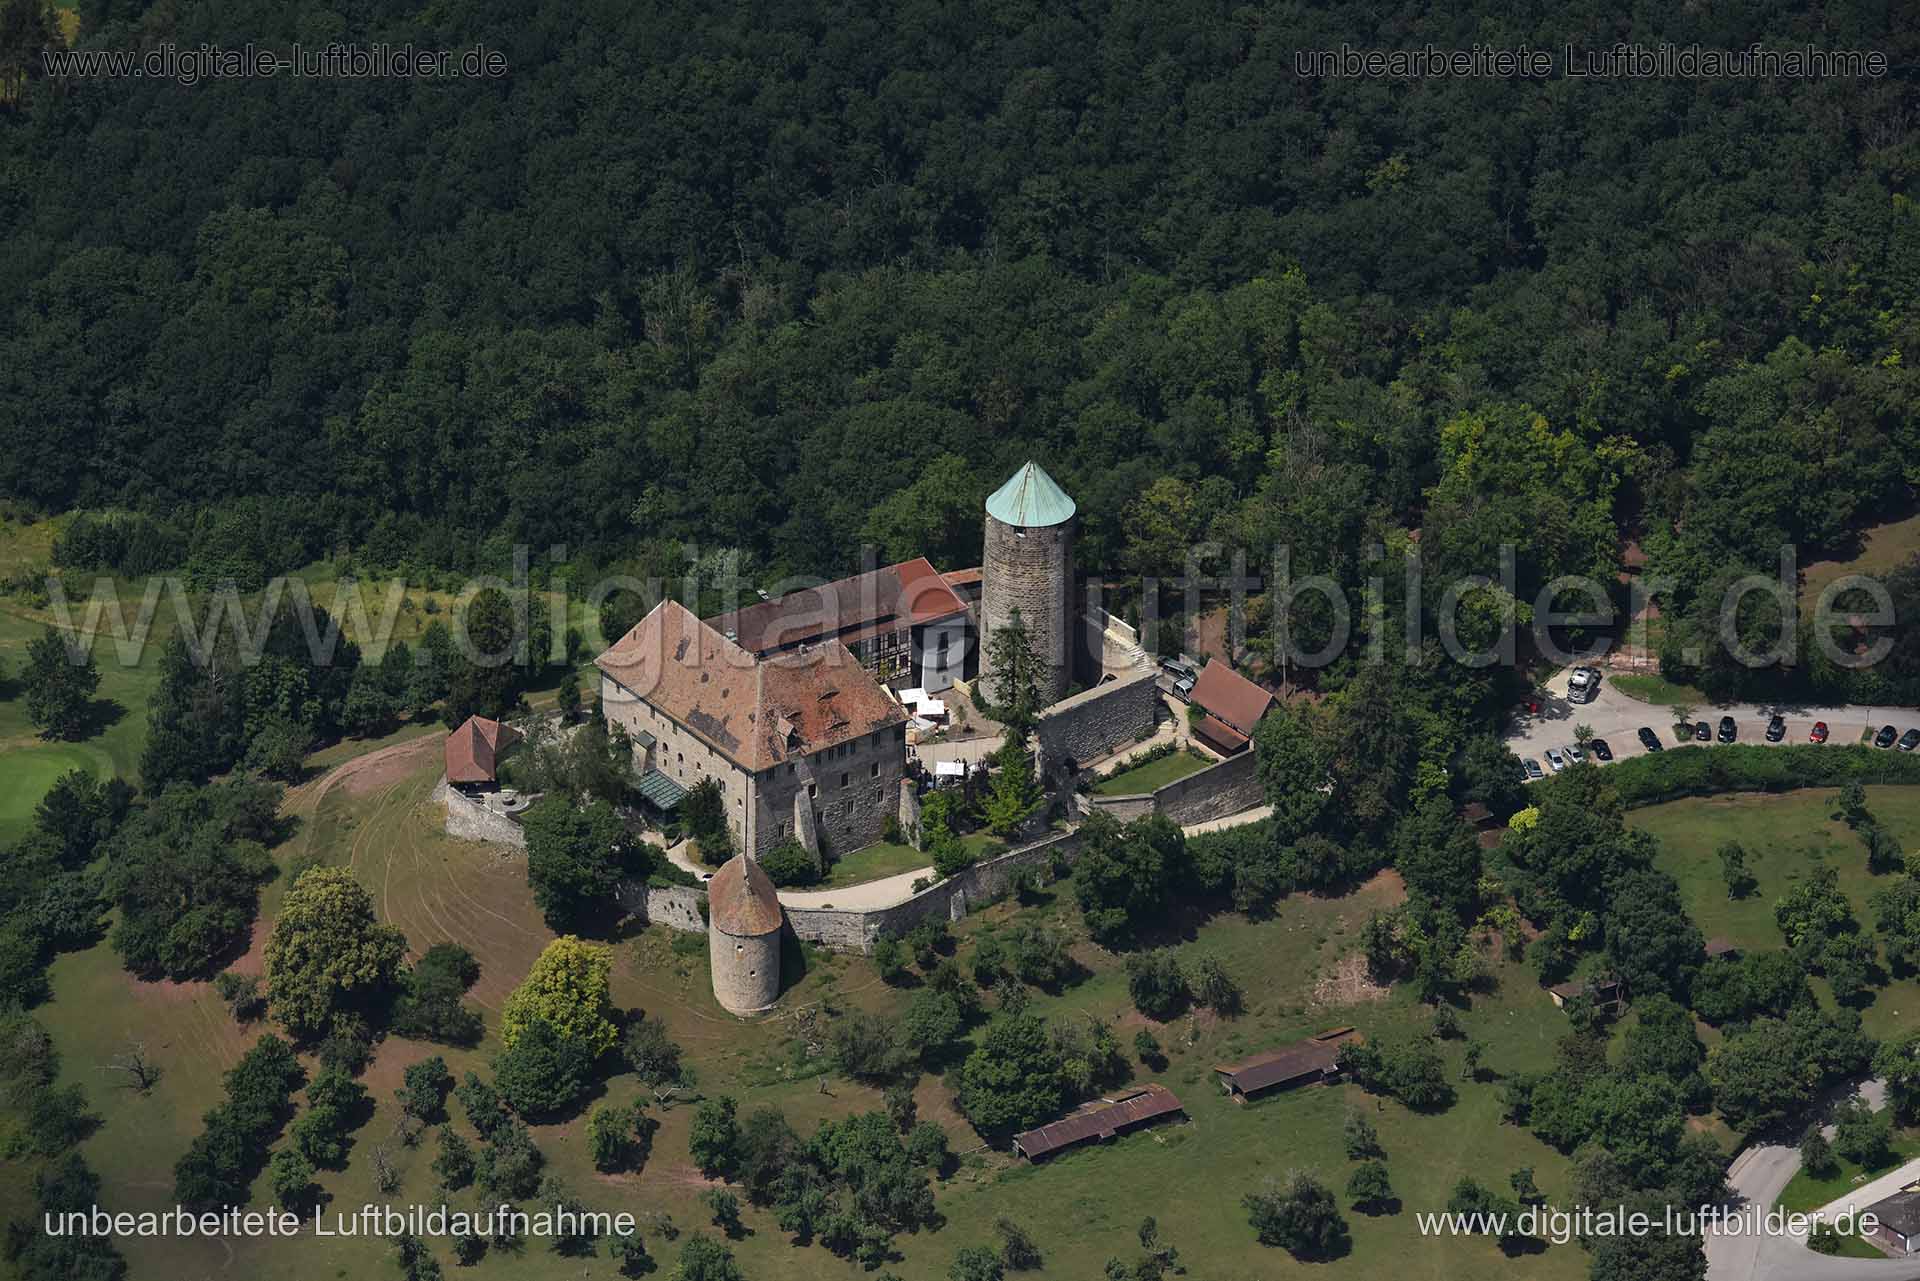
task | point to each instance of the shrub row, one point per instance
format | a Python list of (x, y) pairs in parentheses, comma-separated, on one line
[(1705, 771)]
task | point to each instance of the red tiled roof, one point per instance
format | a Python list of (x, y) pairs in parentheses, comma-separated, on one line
[(1230, 696), (1220, 735), (757, 712), (474, 750), (741, 899), (963, 577), (851, 609), (1103, 1122)]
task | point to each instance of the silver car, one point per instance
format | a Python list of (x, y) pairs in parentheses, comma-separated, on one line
[(1555, 760)]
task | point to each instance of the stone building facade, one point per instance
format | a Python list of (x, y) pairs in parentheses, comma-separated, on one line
[(904, 623), (803, 744), (1027, 565)]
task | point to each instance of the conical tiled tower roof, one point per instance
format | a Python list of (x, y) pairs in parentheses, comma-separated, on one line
[(741, 900), (1031, 499)]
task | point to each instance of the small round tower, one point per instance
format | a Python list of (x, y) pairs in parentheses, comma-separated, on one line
[(743, 936), (1026, 564)]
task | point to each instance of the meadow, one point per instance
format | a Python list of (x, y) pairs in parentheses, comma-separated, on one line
[(366, 805), (1300, 968)]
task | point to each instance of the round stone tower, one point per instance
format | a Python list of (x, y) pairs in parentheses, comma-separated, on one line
[(1026, 564), (743, 936)]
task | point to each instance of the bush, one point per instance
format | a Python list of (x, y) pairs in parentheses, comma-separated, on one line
[(714, 1142), (1734, 767), (429, 1005), (425, 1089), (1157, 985), (890, 958), (613, 1135), (1298, 1214), (650, 1052), (544, 1073), (789, 863), (242, 994), (868, 1047)]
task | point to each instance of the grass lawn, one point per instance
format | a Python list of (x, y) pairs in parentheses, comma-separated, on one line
[(1154, 774), (1650, 688), (1784, 835), (30, 771), (870, 864), (1808, 1193), (28, 763), (1300, 968)]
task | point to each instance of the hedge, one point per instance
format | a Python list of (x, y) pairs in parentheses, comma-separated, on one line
[(1706, 771)]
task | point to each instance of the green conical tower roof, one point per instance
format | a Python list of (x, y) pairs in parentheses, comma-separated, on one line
[(1031, 499)]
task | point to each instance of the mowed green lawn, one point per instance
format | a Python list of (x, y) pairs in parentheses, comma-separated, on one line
[(1154, 774), (28, 763), (28, 773)]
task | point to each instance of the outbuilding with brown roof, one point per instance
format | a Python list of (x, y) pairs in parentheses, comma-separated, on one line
[(475, 749), (1101, 1121), (1233, 706), (1303, 1063)]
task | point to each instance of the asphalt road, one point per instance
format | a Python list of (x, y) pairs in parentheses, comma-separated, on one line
[(1617, 718), (1758, 1176)]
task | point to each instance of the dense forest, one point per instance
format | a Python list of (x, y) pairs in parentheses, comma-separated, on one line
[(789, 280)]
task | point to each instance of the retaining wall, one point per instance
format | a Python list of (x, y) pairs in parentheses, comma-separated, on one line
[(469, 820), (678, 908), (1097, 722), (1214, 792), (1218, 790), (947, 900)]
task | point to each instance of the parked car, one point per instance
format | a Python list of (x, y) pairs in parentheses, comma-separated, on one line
[(1178, 668), (1818, 734), (1583, 685), (1776, 729), (1183, 689), (1574, 753), (1909, 740), (1650, 740), (1728, 730), (1702, 732), (1886, 736), (1555, 761), (1532, 767), (1599, 748)]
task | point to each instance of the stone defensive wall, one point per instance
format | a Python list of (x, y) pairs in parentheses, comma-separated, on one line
[(683, 908), (1226, 788), (469, 820), (1097, 722)]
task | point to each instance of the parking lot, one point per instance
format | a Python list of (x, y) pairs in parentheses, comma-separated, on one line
[(1617, 719)]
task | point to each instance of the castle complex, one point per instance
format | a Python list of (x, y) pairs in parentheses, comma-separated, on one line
[(790, 705)]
